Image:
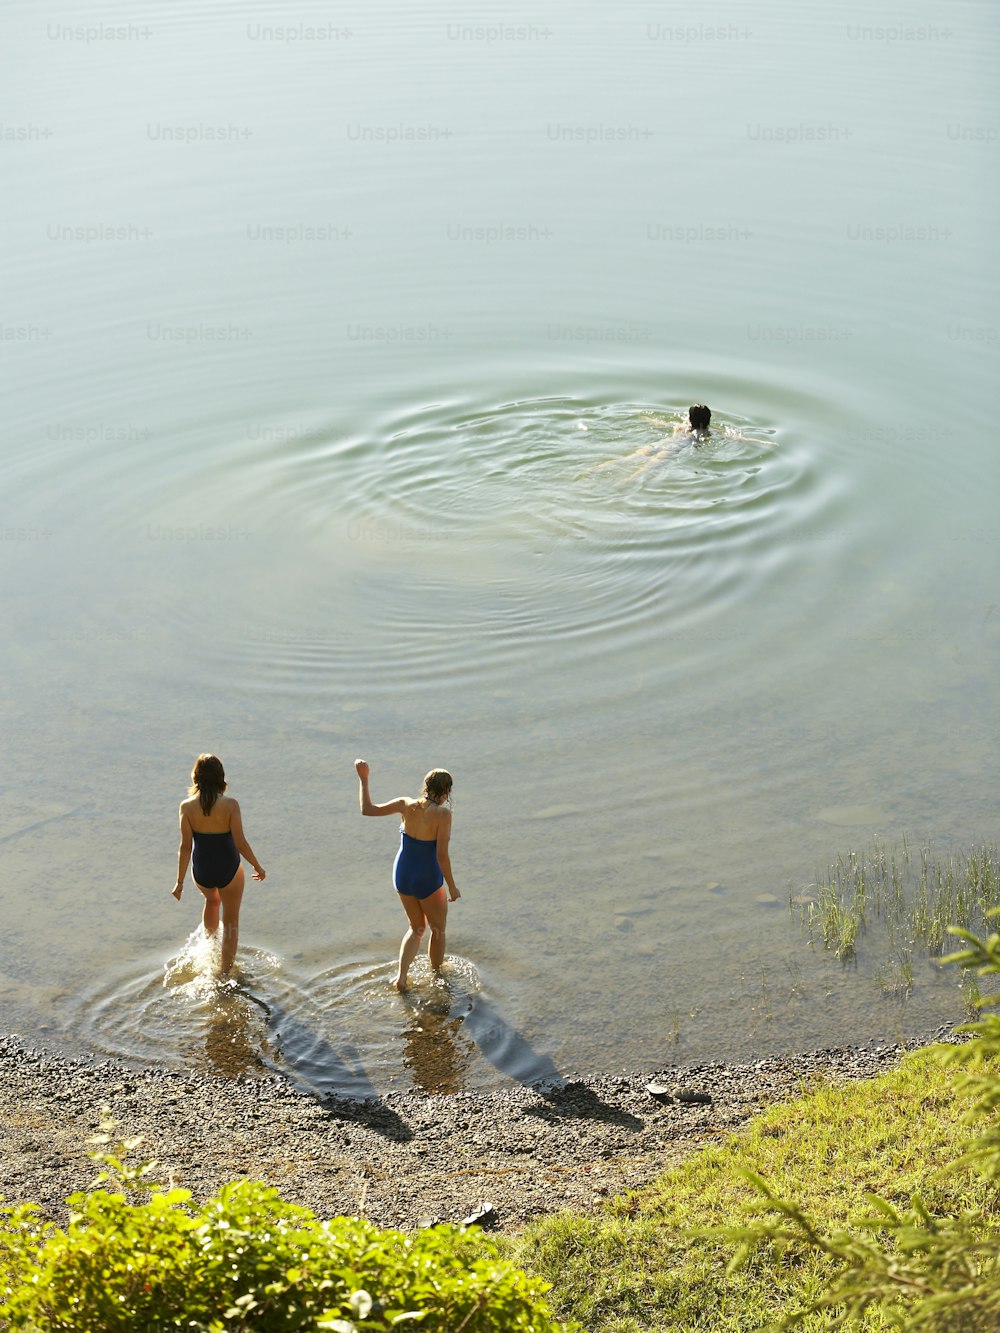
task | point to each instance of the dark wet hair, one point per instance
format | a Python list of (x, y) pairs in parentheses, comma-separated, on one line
[(208, 781), (699, 416), (437, 785)]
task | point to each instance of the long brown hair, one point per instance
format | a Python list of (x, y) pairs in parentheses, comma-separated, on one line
[(208, 781)]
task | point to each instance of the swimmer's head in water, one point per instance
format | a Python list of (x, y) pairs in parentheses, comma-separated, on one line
[(208, 780), (698, 417), (437, 785)]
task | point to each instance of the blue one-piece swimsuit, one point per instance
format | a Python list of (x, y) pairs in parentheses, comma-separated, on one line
[(415, 870), (215, 860)]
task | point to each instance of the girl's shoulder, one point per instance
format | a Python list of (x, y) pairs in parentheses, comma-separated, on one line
[(225, 805), (440, 816)]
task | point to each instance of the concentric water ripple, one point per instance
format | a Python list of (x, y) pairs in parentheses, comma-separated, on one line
[(546, 518), (180, 1015), (338, 1030)]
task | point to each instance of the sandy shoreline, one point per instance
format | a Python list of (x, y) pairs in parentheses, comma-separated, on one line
[(403, 1160)]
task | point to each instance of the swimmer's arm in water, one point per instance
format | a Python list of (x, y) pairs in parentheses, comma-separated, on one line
[(368, 806), (728, 434), (183, 854), (674, 427)]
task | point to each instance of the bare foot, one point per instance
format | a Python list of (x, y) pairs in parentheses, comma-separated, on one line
[(400, 983)]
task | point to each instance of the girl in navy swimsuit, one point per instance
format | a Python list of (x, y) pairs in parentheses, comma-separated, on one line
[(212, 841), (423, 865)]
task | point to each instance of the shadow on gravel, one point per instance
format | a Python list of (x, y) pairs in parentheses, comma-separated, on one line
[(513, 1055), (315, 1067), (575, 1101), (374, 1115), (436, 1050)]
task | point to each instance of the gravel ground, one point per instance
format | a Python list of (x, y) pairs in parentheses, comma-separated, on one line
[(402, 1161)]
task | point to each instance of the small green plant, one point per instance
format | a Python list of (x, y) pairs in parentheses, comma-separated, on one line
[(897, 978), (245, 1260), (912, 897), (918, 1270), (839, 924), (972, 994)]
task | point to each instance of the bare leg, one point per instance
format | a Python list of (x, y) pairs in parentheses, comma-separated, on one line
[(613, 462), (210, 916), (232, 896), (436, 911), (410, 946)]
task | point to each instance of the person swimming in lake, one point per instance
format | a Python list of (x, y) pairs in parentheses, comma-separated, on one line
[(698, 420), (422, 866), (212, 842), (695, 426)]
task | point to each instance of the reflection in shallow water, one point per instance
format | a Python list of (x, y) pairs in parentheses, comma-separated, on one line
[(344, 1032), (450, 1022), (235, 1042), (436, 1049), (221, 1027)]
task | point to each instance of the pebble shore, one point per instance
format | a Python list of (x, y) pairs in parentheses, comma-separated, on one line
[(405, 1160)]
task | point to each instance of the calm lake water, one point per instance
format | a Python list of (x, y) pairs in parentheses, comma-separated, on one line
[(315, 338)]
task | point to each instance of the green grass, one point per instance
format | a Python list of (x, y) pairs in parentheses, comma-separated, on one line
[(645, 1263), (897, 977), (912, 895)]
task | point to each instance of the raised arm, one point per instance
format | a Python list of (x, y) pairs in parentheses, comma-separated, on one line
[(242, 846), (183, 854), (368, 806)]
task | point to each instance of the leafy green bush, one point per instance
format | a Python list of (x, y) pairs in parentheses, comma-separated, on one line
[(920, 1272), (246, 1260)]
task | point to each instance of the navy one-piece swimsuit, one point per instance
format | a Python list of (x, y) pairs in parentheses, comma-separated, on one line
[(215, 860), (415, 870)]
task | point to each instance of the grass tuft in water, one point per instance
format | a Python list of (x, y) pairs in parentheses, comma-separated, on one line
[(897, 977), (913, 896)]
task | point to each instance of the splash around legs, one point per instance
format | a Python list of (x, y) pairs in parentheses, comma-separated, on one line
[(226, 900)]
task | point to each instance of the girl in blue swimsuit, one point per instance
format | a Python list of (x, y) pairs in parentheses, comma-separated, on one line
[(423, 865), (212, 841)]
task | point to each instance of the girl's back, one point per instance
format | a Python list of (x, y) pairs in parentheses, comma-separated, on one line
[(218, 820), (422, 819)]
